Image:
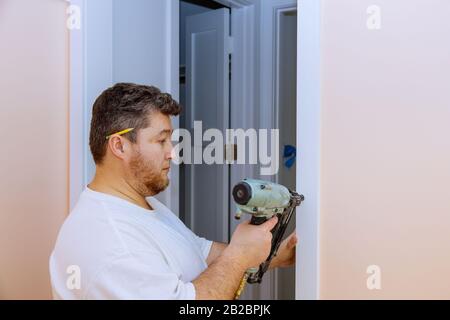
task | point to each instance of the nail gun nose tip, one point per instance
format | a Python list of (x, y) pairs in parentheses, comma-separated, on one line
[(242, 193)]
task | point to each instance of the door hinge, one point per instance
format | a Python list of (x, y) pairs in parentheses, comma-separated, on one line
[(230, 152), (230, 45)]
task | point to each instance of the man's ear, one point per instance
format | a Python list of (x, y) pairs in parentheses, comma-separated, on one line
[(118, 146)]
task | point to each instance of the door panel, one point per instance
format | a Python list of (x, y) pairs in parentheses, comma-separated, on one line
[(207, 100)]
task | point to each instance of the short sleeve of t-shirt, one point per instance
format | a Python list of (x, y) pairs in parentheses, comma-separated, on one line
[(204, 244)]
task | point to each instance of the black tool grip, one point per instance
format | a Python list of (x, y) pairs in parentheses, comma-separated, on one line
[(257, 220)]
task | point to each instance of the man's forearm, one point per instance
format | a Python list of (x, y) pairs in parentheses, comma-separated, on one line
[(249, 246), (216, 250), (218, 247), (221, 279)]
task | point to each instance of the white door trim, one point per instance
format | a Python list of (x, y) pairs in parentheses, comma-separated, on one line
[(172, 198), (76, 109), (278, 11), (308, 145), (235, 4)]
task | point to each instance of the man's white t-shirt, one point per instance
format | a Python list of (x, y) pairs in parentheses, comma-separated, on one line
[(109, 248)]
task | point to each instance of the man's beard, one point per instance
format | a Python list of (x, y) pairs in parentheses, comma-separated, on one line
[(149, 182)]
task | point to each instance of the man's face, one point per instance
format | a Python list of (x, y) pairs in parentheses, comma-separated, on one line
[(149, 165)]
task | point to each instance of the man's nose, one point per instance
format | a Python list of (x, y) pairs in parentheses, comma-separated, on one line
[(171, 153)]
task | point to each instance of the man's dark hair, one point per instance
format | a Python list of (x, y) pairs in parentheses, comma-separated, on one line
[(123, 106)]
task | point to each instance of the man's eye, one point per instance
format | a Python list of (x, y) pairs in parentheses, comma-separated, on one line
[(162, 141)]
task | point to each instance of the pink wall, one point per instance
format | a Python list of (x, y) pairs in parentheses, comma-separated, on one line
[(385, 170), (34, 103)]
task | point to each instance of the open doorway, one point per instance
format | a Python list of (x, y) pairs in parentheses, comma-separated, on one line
[(205, 96), (204, 189)]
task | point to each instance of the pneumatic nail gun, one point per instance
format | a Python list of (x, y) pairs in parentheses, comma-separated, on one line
[(263, 200)]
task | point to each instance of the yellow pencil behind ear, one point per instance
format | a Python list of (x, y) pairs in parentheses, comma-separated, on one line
[(120, 132)]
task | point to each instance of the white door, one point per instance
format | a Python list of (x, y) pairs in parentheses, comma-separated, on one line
[(207, 100)]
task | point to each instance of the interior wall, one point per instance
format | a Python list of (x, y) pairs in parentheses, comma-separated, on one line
[(385, 152), (34, 99)]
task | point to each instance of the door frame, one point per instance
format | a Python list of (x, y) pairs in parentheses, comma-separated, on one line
[(248, 83), (309, 27), (245, 90), (77, 121), (278, 11)]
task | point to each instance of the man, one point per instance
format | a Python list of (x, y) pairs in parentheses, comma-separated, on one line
[(119, 242)]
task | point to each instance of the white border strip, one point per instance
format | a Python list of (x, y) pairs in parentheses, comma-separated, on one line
[(308, 143), (76, 112)]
